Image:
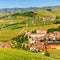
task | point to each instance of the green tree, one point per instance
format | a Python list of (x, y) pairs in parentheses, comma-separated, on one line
[(34, 32), (58, 39), (47, 53)]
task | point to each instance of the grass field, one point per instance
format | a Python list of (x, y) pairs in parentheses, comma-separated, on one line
[(13, 24), (55, 54), (14, 54), (7, 33)]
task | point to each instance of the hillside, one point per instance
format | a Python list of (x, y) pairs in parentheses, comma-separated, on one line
[(17, 22), (33, 16), (14, 54)]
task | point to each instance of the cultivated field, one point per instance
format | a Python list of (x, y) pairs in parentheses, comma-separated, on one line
[(14, 28)]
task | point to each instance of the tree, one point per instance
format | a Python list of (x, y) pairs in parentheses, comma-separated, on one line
[(43, 40), (47, 53), (29, 14), (57, 17), (58, 39), (34, 32), (51, 30), (21, 38)]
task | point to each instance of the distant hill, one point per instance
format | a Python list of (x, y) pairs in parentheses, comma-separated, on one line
[(29, 8), (18, 20), (32, 16), (17, 9)]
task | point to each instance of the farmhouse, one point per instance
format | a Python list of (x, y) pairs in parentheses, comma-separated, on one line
[(49, 18), (53, 36), (37, 47), (37, 36), (52, 45), (24, 45), (41, 31), (4, 44)]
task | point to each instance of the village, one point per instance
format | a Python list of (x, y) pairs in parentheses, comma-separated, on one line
[(41, 40)]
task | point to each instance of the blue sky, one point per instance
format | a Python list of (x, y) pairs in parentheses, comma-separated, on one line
[(27, 3)]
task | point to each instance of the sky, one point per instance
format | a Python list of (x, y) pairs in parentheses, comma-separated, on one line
[(27, 3)]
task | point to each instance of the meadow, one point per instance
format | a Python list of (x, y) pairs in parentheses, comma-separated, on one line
[(15, 54), (14, 28), (12, 25), (55, 54)]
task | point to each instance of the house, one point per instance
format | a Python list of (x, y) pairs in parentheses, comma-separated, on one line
[(31, 41), (37, 47), (57, 34), (38, 42), (53, 36), (27, 33), (34, 39), (37, 36), (52, 18), (41, 31), (4, 44), (52, 45), (24, 45), (49, 18)]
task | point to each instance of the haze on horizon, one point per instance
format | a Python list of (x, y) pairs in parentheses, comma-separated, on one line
[(27, 3)]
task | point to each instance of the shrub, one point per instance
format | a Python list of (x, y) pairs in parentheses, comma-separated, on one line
[(29, 14), (53, 29), (47, 53), (57, 17), (57, 22), (58, 39), (21, 38), (15, 44), (34, 32), (43, 40)]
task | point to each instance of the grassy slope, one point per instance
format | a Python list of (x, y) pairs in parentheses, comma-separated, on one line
[(7, 34), (55, 54), (13, 54)]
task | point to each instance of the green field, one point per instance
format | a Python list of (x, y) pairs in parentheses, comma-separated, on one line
[(14, 54), (15, 23), (27, 20), (55, 54), (12, 28), (12, 31)]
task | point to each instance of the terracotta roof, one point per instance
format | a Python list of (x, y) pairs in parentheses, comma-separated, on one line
[(38, 42), (4, 44), (39, 47), (41, 31)]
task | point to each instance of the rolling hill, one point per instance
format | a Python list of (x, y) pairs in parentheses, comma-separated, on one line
[(33, 18), (14, 54)]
